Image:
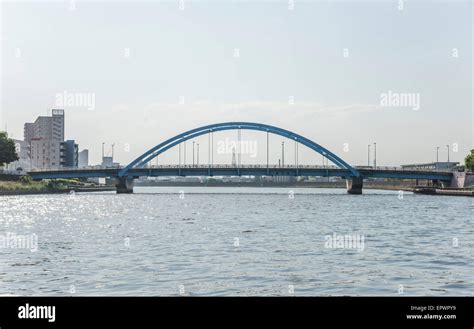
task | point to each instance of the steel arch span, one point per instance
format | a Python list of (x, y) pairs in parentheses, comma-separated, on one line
[(166, 145)]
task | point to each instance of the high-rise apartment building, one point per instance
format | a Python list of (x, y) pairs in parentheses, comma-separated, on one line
[(44, 137)]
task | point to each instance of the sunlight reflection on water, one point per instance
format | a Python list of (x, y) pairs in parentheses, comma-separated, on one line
[(155, 243)]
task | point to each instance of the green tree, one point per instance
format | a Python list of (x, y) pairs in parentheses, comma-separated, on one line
[(7, 149), (469, 161), (26, 179)]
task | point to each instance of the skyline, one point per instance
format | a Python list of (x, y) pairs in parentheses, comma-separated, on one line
[(320, 70)]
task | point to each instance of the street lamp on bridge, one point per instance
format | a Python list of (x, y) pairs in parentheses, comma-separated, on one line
[(437, 157), (282, 154), (193, 152), (448, 151), (375, 155), (368, 155), (197, 160)]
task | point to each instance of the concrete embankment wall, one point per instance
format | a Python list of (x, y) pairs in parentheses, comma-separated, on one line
[(462, 179), (469, 180)]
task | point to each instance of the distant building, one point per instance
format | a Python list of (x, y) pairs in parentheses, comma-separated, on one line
[(29, 132), (21, 148), (69, 154), (47, 127), (83, 159), (236, 179), (283, 179), (44, 153), (279, 179), (450, 166), (44, 138), (108, 162)]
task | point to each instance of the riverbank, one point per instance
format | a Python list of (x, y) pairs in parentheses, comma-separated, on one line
[(25, 188), (444, 191)]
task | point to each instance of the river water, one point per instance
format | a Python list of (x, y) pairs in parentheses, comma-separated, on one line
[(236, 241)]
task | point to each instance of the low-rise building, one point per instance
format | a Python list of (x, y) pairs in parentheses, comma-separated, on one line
[(108, 162), (83, 159), (69, 154)]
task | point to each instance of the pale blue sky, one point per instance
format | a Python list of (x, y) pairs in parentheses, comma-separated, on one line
[(47, 49)]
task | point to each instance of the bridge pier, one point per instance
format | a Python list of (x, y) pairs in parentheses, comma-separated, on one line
[(124, 185), (354, 185)]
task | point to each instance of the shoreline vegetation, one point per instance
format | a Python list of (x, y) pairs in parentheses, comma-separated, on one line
[(25, 185)]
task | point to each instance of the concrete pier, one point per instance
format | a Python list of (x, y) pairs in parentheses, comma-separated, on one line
[(354, 185), (124, 185)]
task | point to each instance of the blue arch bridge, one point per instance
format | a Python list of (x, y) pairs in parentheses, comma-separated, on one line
[(124, 176)]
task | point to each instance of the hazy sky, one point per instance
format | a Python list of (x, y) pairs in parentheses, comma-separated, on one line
[(155, 70)]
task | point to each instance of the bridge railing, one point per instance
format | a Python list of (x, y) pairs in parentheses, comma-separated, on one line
[(73, 168), (245, 166), (394, 168), (250, 166), (189, 166)]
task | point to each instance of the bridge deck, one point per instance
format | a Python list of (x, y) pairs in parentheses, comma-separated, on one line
[(244, 170)]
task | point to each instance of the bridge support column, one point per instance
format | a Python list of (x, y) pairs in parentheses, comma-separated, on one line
[(124, 185), (354, 185)]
